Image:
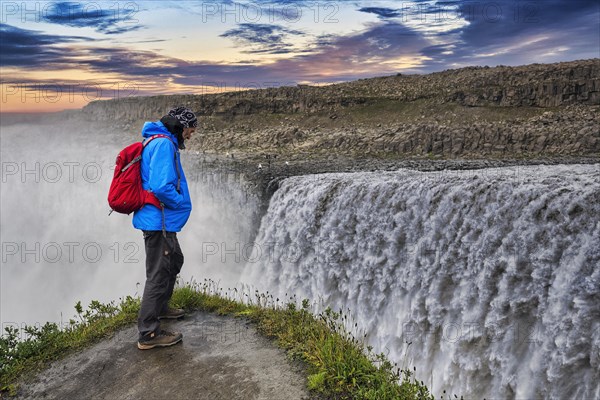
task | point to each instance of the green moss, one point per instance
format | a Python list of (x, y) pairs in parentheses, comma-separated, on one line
[(339, 364)]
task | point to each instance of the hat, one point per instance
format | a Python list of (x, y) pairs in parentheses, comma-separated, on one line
[(185, 116)]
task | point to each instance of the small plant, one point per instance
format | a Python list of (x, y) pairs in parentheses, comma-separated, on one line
[(339, 363), (20, 356)]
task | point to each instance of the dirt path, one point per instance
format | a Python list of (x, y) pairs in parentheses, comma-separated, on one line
[(219, 358)]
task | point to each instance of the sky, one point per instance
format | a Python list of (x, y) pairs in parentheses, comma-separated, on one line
[(61, 55)]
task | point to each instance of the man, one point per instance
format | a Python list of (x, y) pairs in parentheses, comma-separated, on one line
[(163, 175)]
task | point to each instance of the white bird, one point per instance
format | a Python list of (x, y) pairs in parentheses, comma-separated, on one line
[(287, 163), (259, 166)]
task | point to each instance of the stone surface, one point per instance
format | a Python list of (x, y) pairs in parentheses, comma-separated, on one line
[(535, 85), (219, 358)]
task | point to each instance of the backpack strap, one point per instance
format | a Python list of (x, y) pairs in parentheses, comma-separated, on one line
[(151, 138), (125, 168)]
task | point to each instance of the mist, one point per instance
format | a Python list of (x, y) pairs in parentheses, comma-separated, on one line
[(60, 246)]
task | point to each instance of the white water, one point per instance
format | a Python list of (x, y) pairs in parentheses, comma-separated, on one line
[(492, 275)]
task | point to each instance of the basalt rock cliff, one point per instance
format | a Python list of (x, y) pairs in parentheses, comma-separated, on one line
[(538, 110)]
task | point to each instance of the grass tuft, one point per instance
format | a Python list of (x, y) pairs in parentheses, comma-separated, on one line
[(339, 363), (20, 357)]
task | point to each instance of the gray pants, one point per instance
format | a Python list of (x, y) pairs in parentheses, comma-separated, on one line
[(164, 260)]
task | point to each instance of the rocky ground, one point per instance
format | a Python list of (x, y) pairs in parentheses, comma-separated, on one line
[(539, 110), (219, 358), (451, 132)]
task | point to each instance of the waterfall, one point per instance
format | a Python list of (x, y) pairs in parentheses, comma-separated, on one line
[(488, 281)]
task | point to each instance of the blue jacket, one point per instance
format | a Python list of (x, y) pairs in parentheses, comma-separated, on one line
[(159, 176)]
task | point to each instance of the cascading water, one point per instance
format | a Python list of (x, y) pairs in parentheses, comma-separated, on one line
[(488, 281)]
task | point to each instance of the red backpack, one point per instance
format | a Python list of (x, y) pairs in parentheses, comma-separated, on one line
[(126, 193)]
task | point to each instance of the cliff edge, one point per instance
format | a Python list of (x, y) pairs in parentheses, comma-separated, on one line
[(547, 110), (219, 358)]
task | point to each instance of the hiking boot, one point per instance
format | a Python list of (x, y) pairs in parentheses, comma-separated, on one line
[(172, 313), (161, 339)]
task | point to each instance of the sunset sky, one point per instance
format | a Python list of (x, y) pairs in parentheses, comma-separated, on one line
[(57, 55)]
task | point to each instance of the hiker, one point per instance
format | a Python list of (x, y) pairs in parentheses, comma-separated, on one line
[(162, 174)]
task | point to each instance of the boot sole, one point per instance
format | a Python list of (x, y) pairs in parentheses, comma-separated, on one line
[(142, 346)]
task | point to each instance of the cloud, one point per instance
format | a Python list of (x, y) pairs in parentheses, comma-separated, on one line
[(515, 33), (438, 50), (262, 38), (493, 23), (31, 49), (381, 12), (330, 57), (557, 31), (378, 50), (107, 21)]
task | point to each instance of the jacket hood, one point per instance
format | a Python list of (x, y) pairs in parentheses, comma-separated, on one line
[(156, 128)]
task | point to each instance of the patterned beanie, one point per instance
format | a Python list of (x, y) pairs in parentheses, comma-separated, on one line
[(185, 116)]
